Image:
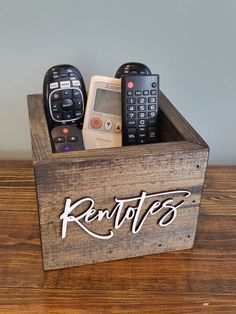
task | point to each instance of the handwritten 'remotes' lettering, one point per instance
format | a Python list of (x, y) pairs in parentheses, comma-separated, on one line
[(122, 212)]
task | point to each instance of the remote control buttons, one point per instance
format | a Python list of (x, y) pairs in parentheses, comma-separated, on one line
[(118, 127), (67, 104), (66, 148), (131, 122), (131, 101), (56, 95), (59, 139), (96, 122), (54, 85), (108, 125), (68, 115), (78, 114), (151, 107), (66, 138), (56, 106), (141, 115), (72, 138), (131, 135), (152, 100), (71, 74), (140, 108), (76, 93), (131, 108), (57, 115), (131, 115), (141, 100), (76, 83), (65, 84), (142, 122), (130, 84), (65, 130), (66, 93), (152, 132)]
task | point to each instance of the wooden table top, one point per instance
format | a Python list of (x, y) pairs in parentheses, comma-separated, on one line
[(200, 280)]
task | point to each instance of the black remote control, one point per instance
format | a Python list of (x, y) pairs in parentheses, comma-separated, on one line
[(66, 138), (64, 95), (140, 103), (132, 68)]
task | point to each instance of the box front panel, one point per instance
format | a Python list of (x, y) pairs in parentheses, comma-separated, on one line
[(106, 209)]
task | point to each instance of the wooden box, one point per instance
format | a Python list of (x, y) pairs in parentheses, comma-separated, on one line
[(115, 203)]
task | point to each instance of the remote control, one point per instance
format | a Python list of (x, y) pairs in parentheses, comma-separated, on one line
[(132, 68), (66, 138), (64, 95), (139, 96), (102, 121)]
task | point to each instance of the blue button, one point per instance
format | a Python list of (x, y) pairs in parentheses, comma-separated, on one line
[(66, 148)]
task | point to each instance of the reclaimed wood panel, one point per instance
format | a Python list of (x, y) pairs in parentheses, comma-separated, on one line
[(40, 140), (101, 175)]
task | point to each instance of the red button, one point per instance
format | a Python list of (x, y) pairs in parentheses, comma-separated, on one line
[(130, 84), (96, 122), (65, 131)]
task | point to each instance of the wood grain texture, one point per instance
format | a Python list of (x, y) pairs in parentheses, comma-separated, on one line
[(81, 301), (125, 172), (199, 280), (122, 177), (17, 178), (40, 141), (178, 162)]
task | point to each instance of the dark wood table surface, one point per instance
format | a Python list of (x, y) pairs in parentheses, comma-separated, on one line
[(200, 280)]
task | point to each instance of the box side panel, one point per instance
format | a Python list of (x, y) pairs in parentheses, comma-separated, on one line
[(166, 130), (40, 141), (118, 208), (179, 122)]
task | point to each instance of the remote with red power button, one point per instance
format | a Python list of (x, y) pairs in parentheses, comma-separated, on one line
[(140, 103), (66, 138)]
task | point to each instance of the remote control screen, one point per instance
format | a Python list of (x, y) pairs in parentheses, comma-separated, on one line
[(108, 101)]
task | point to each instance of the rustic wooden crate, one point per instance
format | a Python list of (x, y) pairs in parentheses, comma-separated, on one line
[(172, 170)]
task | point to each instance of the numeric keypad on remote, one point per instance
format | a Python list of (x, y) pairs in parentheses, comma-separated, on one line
[(139, 108)]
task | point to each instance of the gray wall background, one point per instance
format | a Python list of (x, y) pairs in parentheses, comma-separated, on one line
[(190, 43)]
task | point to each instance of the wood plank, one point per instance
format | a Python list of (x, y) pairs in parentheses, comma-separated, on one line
[(120, 301), (219, 195), (124, 178), (40, 141), (17, 183), (17, 186)]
